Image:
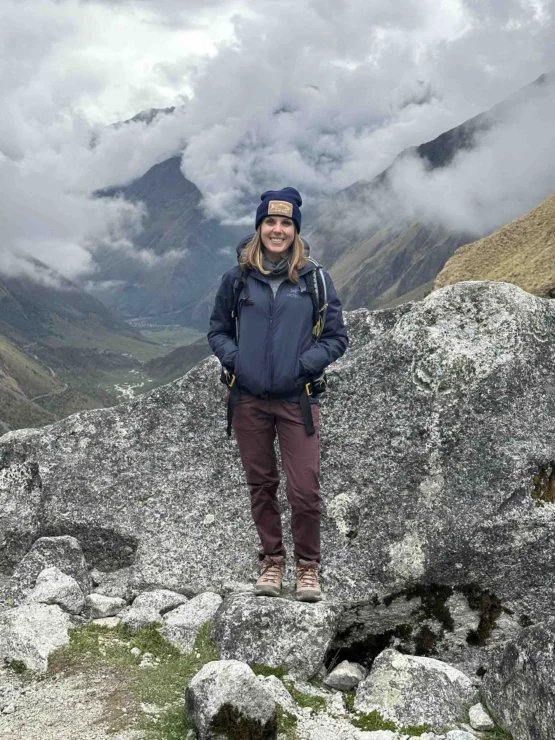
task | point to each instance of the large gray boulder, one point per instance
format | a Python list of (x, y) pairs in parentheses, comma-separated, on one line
[(225, 699), (438, 445), (412, 690), (275, 632), (29, 633), (519, 688)]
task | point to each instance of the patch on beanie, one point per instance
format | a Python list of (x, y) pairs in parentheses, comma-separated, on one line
[(281, 208)]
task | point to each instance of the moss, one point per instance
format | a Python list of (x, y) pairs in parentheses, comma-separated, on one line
[(163, 683), (489, 607), (232, 724), (544, 485), (266, 670), (415, 730), (373, 721), (18, 666), (286, 722), (316, 703), (497, 734), (349, 700)]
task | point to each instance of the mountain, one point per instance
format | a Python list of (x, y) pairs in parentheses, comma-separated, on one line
[(377, 253), (57, 343), (190, 251), (522, 253)]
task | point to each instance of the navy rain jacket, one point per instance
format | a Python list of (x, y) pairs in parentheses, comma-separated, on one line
[(275, 350)]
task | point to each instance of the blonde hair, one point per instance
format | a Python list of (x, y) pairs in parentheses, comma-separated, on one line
[(251, 256)]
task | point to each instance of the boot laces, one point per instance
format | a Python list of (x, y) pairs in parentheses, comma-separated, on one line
[(307, 575), (272, 570)]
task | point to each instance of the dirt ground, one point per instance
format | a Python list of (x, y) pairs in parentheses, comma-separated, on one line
[(62, 707)]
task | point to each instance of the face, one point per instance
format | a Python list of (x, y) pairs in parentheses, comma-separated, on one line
[(277, 234)]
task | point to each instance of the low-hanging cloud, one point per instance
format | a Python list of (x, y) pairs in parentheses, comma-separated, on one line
[(316, 95)]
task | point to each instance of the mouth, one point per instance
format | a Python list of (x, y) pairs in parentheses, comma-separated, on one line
[(277, 242)]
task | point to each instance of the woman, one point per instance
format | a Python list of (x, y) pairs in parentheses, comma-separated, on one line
[(270, 355)]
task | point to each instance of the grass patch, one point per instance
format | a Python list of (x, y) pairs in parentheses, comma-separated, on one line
[(286, 723), (349, 700), (266, 670), (162, 684), (316, 703), (372, 721), (497, 734)]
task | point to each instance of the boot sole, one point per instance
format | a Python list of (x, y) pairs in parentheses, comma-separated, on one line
[(266, 591), (309, 598)]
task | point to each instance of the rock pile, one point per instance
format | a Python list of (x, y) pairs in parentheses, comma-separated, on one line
[(438, 484)]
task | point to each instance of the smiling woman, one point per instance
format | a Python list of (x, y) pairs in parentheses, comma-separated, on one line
[(262, 330)]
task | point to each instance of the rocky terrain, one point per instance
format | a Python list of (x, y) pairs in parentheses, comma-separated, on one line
[(522, 253), (438, 484)]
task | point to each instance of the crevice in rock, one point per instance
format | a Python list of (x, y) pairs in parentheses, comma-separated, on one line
[(365, 650), (433, 602), (103, 548), (544, 485), (488, 606)]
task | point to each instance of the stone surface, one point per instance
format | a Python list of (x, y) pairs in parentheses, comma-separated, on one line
[(181, 625), (162, 600), (63, 552), (345, 677), (54, 587), (439, 467), (460, 735), (29, 633), (275, 632), (518, 690), (137, 618), (479, 719), (226, 695), (101, 606), (109, 622), (114, 584), (416, 691)]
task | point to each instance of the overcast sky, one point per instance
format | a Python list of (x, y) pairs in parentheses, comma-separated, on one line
[(316, 94)]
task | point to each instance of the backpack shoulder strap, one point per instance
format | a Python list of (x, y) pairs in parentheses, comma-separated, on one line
[(239, 284), (316, 283)]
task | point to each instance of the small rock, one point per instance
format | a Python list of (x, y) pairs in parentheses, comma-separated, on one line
[(114, 584), (161, 599), (104, 606), (209, 519), (345, 677), (480, 719), (135, 652), (54, 587), (109, 622), (226, 697), (181, 626), (433, 692), (146, 660), (9, 709), (64, 553), (459, 735), (138, 617), (31, 632)]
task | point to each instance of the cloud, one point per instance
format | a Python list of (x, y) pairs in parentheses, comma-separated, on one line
[(317, 95)]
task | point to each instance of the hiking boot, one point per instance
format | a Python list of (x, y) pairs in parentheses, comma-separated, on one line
[(272, 570), (307, 581)]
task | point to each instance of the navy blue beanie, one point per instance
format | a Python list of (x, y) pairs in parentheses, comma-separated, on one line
[(286, 202)]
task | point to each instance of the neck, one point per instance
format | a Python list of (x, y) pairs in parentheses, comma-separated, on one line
[(275, 257)]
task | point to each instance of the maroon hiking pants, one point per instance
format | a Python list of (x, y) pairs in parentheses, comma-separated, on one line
[(256, 422)]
